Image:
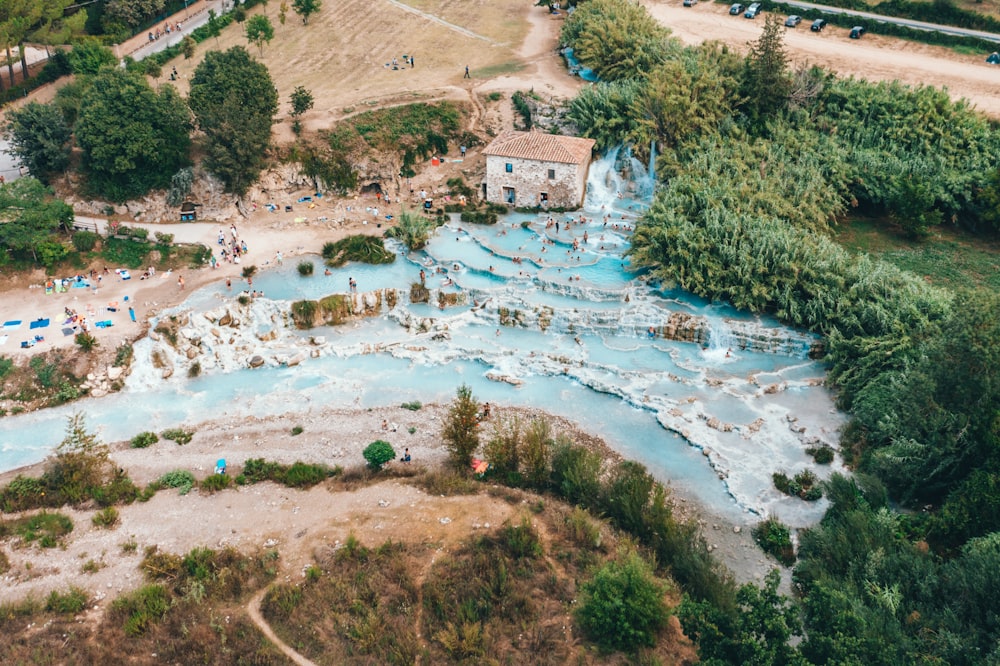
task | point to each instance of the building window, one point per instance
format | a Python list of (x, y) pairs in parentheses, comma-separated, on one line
[(552, 174), (509, 167)]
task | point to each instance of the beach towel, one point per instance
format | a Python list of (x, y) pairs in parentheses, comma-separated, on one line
[(107, 323), (82, 284), (68, 331), (39, 323), (12, 325), (25, 344)]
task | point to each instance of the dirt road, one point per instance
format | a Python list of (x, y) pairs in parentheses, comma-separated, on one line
[(873, 57)]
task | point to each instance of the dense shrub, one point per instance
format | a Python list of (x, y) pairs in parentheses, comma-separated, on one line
[(774, 539), (622, 606), (378, 453), (85, 241), (305, 268), (215, 483), (144, 439), (178, 435)]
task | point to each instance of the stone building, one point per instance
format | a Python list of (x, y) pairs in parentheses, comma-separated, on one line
[(534, 169)]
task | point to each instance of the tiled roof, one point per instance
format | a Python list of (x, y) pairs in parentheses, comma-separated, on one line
[(541, 147)]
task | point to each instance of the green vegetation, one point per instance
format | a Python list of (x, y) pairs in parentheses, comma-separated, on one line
[(413, 406), (69, 603), (744, 215), (412, 230), (234, 101), (32, 217), (178, 435), (106, 517), (45, 528), (304, 313), (120, 162), (378, 453), (215, 483), (181, 479), (40, 138), (622, 606), (305, 268), (774, 539), (297, 430), (460, 430), (361, 248), (297, 475)]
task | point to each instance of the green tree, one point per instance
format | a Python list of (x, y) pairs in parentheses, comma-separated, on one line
[(378, 453), (40, 21), (90, 57), (82, 462), (132, 12), (623, 606), (40, 139), (282, 12), (234, 102), (302, 100), (461, 428), (757, 633), (766, 83), (133, 138), (306, 8), (259, 31), (31, 215), (188, 46)]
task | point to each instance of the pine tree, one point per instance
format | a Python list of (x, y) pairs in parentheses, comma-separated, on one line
[(766, 84), (461, 428)]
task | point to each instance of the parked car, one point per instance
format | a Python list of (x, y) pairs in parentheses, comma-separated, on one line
[(792, 21), (736, 9), (752, 10), (818, 25), (857, 31), (690, 3)]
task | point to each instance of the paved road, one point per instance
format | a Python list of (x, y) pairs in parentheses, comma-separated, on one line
[(909, 23)]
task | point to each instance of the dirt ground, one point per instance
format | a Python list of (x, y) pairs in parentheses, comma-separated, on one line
[(872, 57)]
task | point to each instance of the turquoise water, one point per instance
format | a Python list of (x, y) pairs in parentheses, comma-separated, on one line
[(561, 329)]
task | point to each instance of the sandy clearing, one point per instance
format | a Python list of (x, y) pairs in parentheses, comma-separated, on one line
[(873, 57)]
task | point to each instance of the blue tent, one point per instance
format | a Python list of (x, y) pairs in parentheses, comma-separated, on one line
[(220, 466)]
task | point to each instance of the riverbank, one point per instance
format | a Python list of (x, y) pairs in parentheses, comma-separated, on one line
[(296, 522)]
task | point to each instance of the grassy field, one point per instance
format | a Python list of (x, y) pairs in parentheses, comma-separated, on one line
[(948, 258)]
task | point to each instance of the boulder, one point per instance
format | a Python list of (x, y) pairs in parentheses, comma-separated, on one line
[(317, 340), (226, 319), (115, 373), (191, 352), (256, 361)]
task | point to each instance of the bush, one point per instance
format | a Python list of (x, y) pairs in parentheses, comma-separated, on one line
[(86, 341), (141, 609), (412, 406), (775, 539), (163, 239), (144, 439), (297, 430), (72, 602), (623, 606), (85, 241), (305, 268), (178, 435), (179, 478), (215, 483), (378, 453), (823, 455), (107, 517)]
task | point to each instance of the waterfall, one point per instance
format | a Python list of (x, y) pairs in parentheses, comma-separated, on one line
[(604, 183)]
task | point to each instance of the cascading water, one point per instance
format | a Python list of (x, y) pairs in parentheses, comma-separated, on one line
[(546, 318)]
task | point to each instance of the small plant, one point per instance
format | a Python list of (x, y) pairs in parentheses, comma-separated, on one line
[(46, 528), (775, 539), (106, 517), (178, 435), (412, 406), (243, 299), (130, 547), (823, 455), (70, 603), (378, 453), (143, 440), (91, 566), (306, 268), (249, 271), (123, 355), (412, 430), (194, 370), (495, 96), (215, 483), (86, 341), (181, 479), (297, 430), (163, 239)]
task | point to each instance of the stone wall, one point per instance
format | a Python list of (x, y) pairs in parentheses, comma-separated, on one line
[(530, 178)]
